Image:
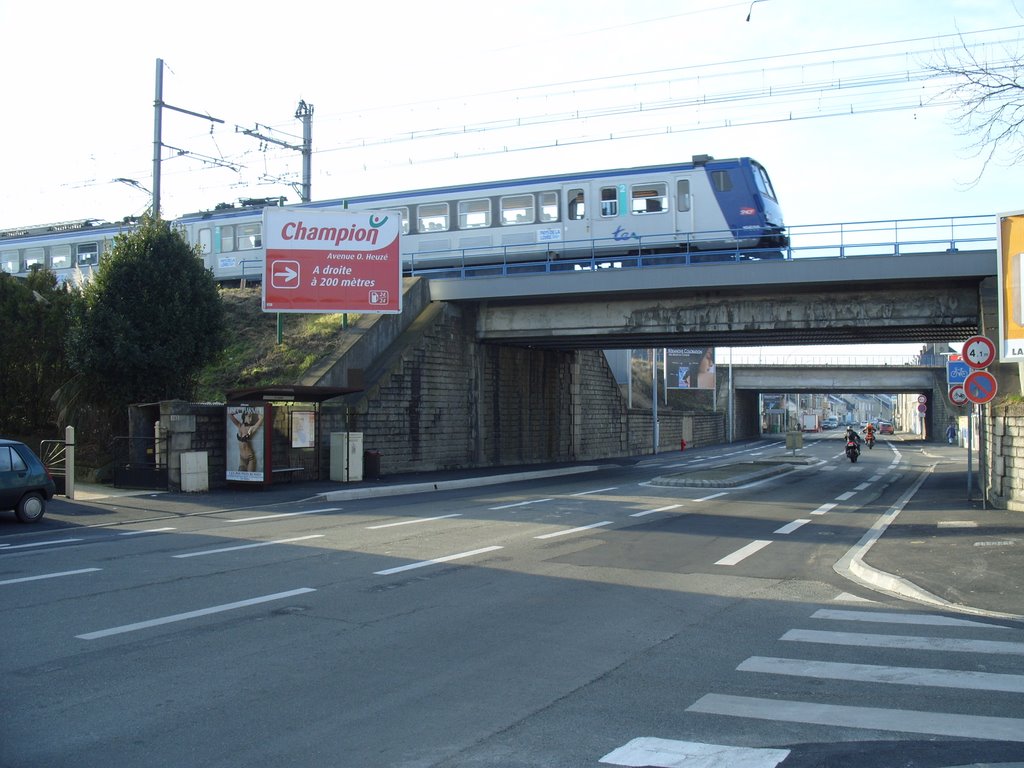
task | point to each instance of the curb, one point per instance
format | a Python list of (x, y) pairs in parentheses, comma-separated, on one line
[(447, 485)]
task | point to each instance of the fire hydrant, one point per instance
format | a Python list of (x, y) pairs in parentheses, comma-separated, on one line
[(682, 444)]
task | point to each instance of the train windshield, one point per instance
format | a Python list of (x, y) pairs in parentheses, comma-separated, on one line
[(764, 184)]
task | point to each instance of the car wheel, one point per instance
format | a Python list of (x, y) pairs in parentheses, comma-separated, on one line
[(31, 508)]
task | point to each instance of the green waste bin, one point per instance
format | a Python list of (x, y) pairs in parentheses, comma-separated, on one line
[(371, 465)]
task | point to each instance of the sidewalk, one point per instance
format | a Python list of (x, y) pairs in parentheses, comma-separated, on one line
[(946, 550)]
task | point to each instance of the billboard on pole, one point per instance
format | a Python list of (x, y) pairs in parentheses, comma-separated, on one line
[(332, 261), (1011, 311)]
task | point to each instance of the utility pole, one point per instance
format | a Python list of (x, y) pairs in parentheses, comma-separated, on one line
[(304, 112), (158, 145)]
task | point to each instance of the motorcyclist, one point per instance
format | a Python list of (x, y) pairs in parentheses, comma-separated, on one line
[(851, 434), (869, 432)]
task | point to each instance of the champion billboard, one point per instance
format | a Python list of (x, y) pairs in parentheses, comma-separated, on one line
[(332, 261)]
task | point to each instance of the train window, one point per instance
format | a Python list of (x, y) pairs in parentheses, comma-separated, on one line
[(517, 209), (60, 256), (432, 217), (609, 201), (763, 182), (405, 219), (721, 181), (577, 208), (249, 236), (10, 261), (549, 206), (87, 253), (683, 202), (205, 240), (474, 213), (34, 257), (649, 198), (226, 236)]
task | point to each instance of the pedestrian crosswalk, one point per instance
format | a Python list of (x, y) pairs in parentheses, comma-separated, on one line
[(943, 676)]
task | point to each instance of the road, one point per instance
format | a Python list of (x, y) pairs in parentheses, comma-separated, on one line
[(602, 618)]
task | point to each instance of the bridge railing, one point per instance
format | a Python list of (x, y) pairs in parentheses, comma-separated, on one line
[(893, 237)]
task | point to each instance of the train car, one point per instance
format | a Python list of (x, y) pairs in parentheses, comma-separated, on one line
[(70, 249), (707, 209), (702, 210)]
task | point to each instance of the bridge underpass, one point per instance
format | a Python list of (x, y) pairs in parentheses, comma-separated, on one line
[(749, 382), (920, 298)]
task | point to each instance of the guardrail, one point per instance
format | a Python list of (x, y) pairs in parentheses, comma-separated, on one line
[(891, 237)]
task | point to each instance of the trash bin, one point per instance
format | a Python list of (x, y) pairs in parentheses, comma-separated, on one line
[(371, 465)]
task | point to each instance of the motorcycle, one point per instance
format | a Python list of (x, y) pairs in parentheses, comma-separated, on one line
[(870, 440), (852, 450)]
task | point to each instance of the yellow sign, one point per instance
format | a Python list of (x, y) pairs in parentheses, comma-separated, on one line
[(1011, 278)]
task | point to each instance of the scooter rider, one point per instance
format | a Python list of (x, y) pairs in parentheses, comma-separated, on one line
[(869, 432)]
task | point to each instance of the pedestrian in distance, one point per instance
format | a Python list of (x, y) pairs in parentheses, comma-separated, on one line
[(951, 433)]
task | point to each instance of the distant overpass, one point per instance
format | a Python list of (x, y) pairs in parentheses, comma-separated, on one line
[(921, 297)]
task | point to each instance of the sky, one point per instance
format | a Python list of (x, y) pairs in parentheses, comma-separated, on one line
[(830, 96)]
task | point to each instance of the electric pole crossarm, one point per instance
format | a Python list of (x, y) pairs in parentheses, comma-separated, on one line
[(165, 105)]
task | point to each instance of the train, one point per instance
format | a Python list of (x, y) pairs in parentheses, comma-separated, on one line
[(702, 210)]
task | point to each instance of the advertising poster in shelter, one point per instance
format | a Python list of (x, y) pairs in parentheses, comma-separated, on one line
[(247, 442), (332, 261), (690, 368), (1011, 300)]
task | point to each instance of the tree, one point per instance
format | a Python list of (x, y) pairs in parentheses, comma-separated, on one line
[(152, 318), (989, 89), (35, 314)]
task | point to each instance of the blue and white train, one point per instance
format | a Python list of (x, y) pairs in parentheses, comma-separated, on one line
[(702, 210)]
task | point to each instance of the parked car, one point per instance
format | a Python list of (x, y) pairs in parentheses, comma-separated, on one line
[(885, 428), (25, 484), (830, 423)]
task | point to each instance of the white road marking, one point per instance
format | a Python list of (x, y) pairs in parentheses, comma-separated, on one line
[(924, 619), (956, 524), (862, 486), (712, 496), (41, 544), (824, 508), (412, 522), (667, 753), (148, 530), (424, 563), (599, 490), (790, 527), (284, 514), (875, 673), (652, 511), (247, 546), (846, 496), (846, 597), (519, 504), (48, 576), (906, 642), (574, 530), (902, 720), (192, 614), (743, 553)]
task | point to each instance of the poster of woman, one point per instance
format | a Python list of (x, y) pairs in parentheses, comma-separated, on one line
[(245, 443)]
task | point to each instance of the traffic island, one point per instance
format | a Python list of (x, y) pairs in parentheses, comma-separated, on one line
[(733, 475)]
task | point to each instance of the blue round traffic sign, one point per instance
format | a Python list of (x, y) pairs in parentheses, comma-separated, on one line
[(980, 387)]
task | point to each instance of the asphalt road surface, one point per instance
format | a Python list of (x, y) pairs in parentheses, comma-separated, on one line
[(602, 618)]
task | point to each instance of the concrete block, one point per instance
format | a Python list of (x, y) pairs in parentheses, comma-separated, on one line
[(195, 477)]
